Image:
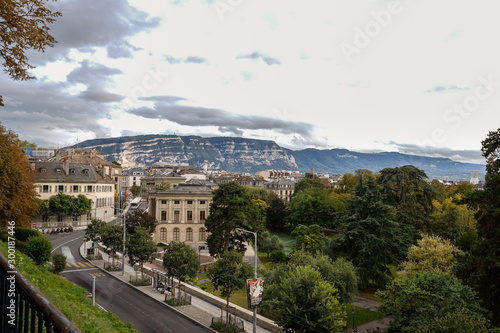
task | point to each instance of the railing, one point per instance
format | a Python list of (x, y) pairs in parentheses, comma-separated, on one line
[(24, 308)]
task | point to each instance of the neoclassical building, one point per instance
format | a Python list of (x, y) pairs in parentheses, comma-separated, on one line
[(180, 213)]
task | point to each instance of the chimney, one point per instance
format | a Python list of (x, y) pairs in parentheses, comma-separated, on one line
[(65, 166), (312, 172)]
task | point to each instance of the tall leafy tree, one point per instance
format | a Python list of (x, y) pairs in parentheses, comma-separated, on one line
[(135, 190), (276, 213), (112, 239), (311, 206), (18, 198), (24, 25), (309, 238), (407, 189), (180, 261), (268, 243), (139, 218), (229, 273), (232, 207), (484, 267), (418, 300), (371, 237), (140, 248), (307, 303), (307, 184)]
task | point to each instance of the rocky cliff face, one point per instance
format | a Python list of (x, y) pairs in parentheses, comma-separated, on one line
[(251, 155)]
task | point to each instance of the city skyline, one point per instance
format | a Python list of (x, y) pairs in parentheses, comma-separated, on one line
[(414, 77)]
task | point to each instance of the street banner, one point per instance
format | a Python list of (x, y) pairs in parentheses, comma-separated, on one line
[(255, 287)]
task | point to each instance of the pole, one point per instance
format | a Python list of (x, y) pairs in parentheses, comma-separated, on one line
[(93, 290), (123, 255)]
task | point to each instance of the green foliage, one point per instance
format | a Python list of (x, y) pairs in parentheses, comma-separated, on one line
[(371, 237), (59, 262), (309, 238), (278, 256), (268, 244), (164, 186), (140, 247), (135, 190), (229, 273), (111, 236), (431, 254), (94, 230), (347, 184), (459, 321), (311, 206), (341, 273), (63, 204), (39, 249), (276, 213), (232, 207), (307, 303), (422, 297), (307, 184), (406, 189), (139, 218), (23, 234), (180, 261)]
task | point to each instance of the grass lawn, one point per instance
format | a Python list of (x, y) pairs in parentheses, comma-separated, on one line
[(361, 315), (287, 240)]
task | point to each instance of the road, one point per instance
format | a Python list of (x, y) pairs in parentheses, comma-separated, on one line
[(129, 304)]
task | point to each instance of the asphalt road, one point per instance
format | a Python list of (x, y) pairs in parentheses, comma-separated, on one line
[(130, 305)]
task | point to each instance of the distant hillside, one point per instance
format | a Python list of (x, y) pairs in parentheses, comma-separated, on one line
[(251, 155)]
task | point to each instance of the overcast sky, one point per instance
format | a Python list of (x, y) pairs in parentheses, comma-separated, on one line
[(418, 77)]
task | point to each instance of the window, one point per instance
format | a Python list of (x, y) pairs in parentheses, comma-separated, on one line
[(163, 215), (176, 235), (202, 216), (85, 171), (71, 170), (189, 215), (45, 189), (89, 188), (202, 235), (75, 188), (176, 216), (176, 202), (202, 202), (58, 170), (190, 202), (42, 170), (75, 218), (163, 234), (60, 188), (189, 235), (164, 202)]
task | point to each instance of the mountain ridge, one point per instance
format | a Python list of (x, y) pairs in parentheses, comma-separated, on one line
[(237, 154)]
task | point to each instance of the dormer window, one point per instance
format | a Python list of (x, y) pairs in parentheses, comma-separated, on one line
[(71, 170), (85, 171), (58, 170), (42, 170)]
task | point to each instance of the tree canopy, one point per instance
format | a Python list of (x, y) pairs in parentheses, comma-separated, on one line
[(24, 25), (232, 207), (140, 247), (311, 206), (139, 218), (180, 261), (18, 197)]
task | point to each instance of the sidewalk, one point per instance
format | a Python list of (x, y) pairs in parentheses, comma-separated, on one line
[(199, 310)]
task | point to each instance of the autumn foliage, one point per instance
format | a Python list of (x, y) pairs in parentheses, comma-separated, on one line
[(18, 198)]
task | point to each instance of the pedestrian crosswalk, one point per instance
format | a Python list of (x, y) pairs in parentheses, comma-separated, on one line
[(75, 264)]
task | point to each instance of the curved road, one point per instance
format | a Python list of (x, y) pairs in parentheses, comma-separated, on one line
[(129, 304)]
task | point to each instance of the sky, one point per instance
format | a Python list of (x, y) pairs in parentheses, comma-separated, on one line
[(417, 77)]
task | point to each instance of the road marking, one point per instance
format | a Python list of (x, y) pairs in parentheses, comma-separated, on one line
[(79, 270), (65, 243)]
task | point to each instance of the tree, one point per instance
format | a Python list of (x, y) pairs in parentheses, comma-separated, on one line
[(311, 206), (229, 273), (63, 204), (39, 249), (135, 190), (484, 267), (276, 213), (59, 262), (180, 261), (307, 303), (164, 186), (94, 230), (307, 184), (232, 207), (140, 248), (309, 238), (139, 218), (406, 188), (23, 26), (459, 321), (347, 184), (268, 243), (371, 238), (422, 297), (431, 254), (18, 197), (340, 273), (81, 206), (112, 239)]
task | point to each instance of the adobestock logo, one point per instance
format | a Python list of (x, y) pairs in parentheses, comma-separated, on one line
[(371, 30)]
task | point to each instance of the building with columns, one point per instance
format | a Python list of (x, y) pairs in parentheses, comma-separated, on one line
[(180, 213)]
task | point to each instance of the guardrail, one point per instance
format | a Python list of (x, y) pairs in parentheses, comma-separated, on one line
[(24, 308)]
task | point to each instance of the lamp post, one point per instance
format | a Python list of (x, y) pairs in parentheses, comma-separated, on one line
[(254, 274), (353, 328), (124, 232), (95, 205)]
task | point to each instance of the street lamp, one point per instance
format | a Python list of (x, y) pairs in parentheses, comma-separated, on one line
[(353, 328), (254, 275), (123, 254), (95, 205)]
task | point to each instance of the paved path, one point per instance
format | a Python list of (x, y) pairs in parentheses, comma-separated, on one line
[(369, 304)]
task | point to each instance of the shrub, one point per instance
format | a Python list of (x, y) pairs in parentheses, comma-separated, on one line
[(278, 256), (23, 234), (59, 262), (39, 249)]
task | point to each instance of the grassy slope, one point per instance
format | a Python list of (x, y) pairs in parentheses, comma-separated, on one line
[(68, 297)]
